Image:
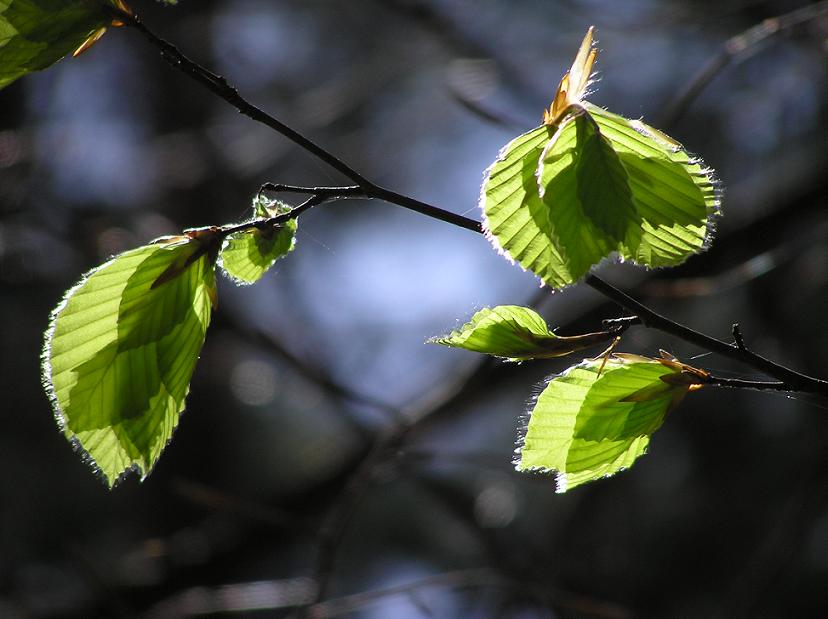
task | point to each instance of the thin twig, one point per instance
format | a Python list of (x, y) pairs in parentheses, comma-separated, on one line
[(790, 380), (340, 192), (278, 220), (738, 383), (623, 321), (219, 86), (650, 318), (736, 331)]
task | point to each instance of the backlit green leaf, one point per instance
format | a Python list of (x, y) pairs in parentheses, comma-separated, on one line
[(121, 349), (246, 256), (516, 333), (605, 186), (675, 195), (34, 34), (596, 418), (516, 220)]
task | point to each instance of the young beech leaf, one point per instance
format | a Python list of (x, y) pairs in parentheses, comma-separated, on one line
[(588, 184), (516, 333), (246, 256), (122, 346), (676, 198), (35, 34), (596, 418)]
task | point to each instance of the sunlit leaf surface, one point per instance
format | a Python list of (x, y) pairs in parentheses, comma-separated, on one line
[(247, 256), (515, 333), (121, 349), (589, 184), (34, 34), (596, 418)]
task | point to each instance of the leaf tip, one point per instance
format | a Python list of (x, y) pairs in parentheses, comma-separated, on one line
[(574, 84), (89, 41)]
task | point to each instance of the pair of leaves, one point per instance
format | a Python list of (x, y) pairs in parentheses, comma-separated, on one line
[(597, 417), (35, 34), (123, 343), (122, 346), (588, 184)]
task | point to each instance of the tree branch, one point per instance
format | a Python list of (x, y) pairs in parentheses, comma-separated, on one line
[(387, 444), (790, 380), (649, 318), (367, 189)]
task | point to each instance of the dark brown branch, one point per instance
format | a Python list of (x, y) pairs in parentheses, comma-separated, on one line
[(790, 380), (278, 220), (649, 318), (345, 191), (219, 86), (738, 383), (366, 189)]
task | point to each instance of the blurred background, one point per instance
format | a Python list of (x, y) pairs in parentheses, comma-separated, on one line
[(327, 455)]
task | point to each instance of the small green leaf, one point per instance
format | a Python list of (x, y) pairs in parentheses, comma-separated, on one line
[(596, 418), (35, 34), (516, 333), (122, 346), (246, 256)]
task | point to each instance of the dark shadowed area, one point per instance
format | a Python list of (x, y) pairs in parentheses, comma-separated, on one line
[(329, 463)]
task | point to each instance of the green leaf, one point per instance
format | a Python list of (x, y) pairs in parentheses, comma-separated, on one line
[(35, 34), (516, 220), (596, 418), (579, 223), (246, 256), (605, 186), (598, 160), (675, 196), (122, 346), (516, 334)]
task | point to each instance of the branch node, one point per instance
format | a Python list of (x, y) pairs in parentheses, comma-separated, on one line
[(737, 337), (620, 324)]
